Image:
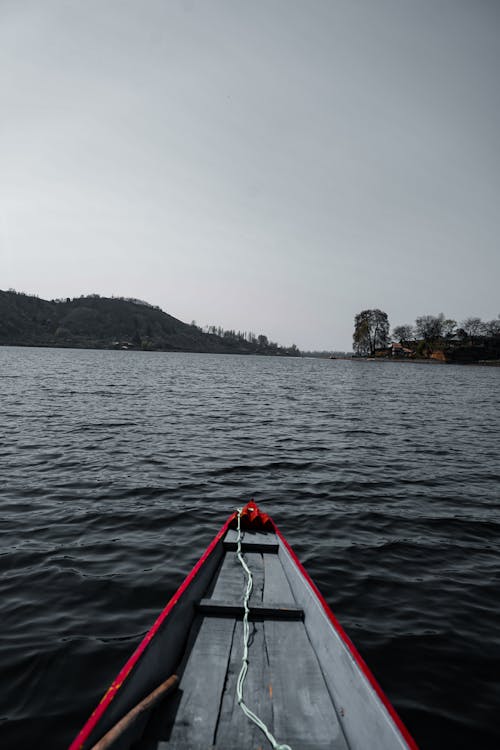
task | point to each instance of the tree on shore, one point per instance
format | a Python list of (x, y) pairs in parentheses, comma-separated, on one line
[(403, 334), (371, 331), (473, 327), (492, 327), (429, 327), (435, 336), (449, 328)]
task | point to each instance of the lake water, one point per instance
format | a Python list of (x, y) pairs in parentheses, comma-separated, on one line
[(117, 469)]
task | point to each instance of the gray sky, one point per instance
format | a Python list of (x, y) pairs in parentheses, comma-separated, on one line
[(274, 166)]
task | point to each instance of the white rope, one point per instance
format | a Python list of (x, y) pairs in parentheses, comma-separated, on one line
[(244, 662)]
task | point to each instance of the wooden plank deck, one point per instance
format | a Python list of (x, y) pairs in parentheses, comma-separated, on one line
[(230, 582), (303, 712), (284, 683), (193, 722), (251, 541), (234, 730)]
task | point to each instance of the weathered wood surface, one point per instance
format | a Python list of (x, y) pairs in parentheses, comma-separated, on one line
[(365, 721), (195, 718), (276, 611), (232, 581), (255, 541), (276, 586), (234, 730), (303, 712)]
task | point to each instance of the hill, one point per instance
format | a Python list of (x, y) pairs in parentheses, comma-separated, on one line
[(95, 322)]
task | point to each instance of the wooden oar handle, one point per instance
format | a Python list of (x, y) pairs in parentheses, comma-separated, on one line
[(148, 702)]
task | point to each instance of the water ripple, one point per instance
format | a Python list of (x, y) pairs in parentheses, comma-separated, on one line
[(118, 467)]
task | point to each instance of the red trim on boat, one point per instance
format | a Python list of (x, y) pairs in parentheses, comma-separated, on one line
[(253, 518), (350, 645), (108, 696)]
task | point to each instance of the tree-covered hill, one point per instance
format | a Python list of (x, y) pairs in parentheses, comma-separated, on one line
[(106, 323)]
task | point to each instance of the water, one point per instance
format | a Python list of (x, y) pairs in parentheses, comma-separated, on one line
[(117, 468)]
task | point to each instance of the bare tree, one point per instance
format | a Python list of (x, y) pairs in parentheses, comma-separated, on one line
[(403, 334), (449, 328), (371, 330), (492, 327), (430, 327), (473, 326)]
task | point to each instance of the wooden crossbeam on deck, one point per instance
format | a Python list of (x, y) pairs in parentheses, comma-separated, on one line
[(218, 608), (252, 541)]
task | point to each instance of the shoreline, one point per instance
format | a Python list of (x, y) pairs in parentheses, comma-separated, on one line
[(419, 360), (278, 355)]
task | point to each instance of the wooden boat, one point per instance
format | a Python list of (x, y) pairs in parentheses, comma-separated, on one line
[(305, 679)]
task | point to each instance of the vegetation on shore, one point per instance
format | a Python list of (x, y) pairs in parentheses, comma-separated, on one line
[(94, 322), (433, 337)]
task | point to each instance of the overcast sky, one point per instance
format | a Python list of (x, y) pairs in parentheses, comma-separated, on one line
[(274, 166)]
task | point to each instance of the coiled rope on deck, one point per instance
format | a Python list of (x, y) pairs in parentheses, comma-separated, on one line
[(246, 636)]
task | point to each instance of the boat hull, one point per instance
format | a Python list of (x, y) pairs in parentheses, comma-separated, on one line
[(305, 675)]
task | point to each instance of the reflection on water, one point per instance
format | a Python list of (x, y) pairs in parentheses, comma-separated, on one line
[(117, 468)]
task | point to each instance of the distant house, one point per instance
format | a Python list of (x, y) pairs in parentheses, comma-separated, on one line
[(398, 350)]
